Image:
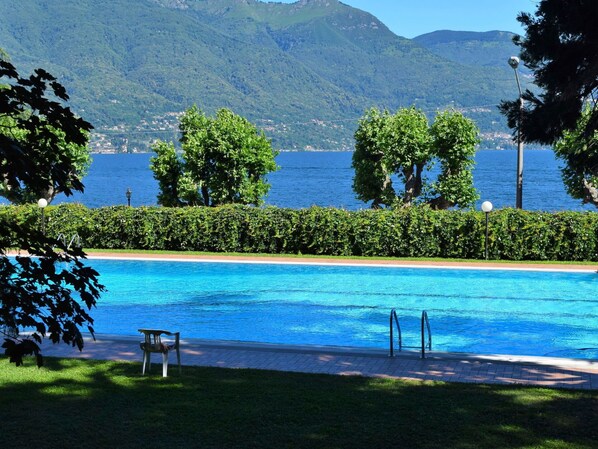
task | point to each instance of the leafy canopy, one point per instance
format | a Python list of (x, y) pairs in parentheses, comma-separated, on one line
[(402, 145), (51, 291), (225, 160), (34, 124), (560, 47), (580, 153), (454, 142)]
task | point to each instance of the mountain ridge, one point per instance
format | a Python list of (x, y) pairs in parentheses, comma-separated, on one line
[(304, 71)]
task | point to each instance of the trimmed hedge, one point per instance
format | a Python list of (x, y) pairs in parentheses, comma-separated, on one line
[(412, 232)]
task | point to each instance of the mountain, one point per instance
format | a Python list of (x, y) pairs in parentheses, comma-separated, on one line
[(486, 49), (304, 72)]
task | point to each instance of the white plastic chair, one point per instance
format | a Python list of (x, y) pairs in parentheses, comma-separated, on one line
[(153, 343)]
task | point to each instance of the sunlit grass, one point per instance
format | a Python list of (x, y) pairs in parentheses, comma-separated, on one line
[(78, 403)]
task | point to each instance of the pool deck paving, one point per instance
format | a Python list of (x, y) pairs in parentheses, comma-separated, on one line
[(444, 367), (437, 366), (362, 261)]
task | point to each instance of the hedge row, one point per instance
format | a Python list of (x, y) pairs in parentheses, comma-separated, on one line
[(413, 232)]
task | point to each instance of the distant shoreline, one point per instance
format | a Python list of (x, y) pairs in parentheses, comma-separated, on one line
[(329, 151)]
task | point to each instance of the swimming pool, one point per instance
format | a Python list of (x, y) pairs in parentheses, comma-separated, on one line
[(478, 311)]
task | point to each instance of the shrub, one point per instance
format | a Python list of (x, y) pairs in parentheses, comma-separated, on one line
[(410, 232)]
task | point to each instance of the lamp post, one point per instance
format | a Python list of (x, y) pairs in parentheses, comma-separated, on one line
[(42, 203), (514, 63), (128, 193), (486, 208)]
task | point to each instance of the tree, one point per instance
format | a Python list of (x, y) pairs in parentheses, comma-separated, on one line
[(560, 46), (454, 141), (51, 292), (387, 145), (408, 149), (372, 181), (402, 146), (46, 145), (225, 160), (580, 153), (167, 168)]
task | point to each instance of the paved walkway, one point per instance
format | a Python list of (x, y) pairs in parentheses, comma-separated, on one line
[(538, 371)]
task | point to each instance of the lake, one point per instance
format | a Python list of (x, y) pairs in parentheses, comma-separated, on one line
[(325, 179)]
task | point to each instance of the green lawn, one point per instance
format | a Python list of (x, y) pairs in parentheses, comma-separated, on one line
[(99, 404)]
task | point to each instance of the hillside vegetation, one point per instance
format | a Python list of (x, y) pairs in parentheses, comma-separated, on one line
[(304, 72)]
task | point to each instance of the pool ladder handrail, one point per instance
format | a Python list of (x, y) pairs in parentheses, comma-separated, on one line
[(75, 240), (425, 329)]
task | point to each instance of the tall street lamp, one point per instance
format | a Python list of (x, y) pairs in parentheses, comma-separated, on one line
[(129, 192), (514, 63), (42, 203), (486, 208)]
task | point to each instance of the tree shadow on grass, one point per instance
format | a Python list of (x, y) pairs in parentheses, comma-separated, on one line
[(75, 403)]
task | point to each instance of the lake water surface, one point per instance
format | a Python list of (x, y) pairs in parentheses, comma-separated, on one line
[(325, 179)]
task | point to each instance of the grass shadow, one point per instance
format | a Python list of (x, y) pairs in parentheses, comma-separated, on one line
[(109, 404)]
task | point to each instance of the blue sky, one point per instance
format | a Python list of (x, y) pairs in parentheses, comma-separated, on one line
[(410, 18)]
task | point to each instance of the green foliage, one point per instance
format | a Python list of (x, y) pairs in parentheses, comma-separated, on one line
[(168, 170), (371, 181), (34, 126), (408, 150), (403, 145), (487, 49), (560, 48), (385, 145), (579, 151), (46, 156), (454, 141), (50, 294), (408, 232), (225, 160)]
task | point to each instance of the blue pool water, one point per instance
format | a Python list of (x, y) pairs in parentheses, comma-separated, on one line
[(478, 311)]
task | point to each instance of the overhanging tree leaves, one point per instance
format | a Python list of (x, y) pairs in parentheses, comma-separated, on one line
[(560, 46), (33, 121), (49, 294), (50, 291), (225, 160), (580, 152)]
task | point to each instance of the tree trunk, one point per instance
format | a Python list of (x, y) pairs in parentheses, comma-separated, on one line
[(206, 195), (410, 185), (440, 203), (417, 191)]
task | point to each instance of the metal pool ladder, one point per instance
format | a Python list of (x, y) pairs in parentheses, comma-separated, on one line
[(75, 241), (425, 330)]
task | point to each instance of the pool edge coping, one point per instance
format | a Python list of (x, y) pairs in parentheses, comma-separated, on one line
[(380, 263)]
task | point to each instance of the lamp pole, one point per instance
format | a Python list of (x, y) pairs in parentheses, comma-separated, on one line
[(42, 203), (514, 63), (486, 208), (128, 194)]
